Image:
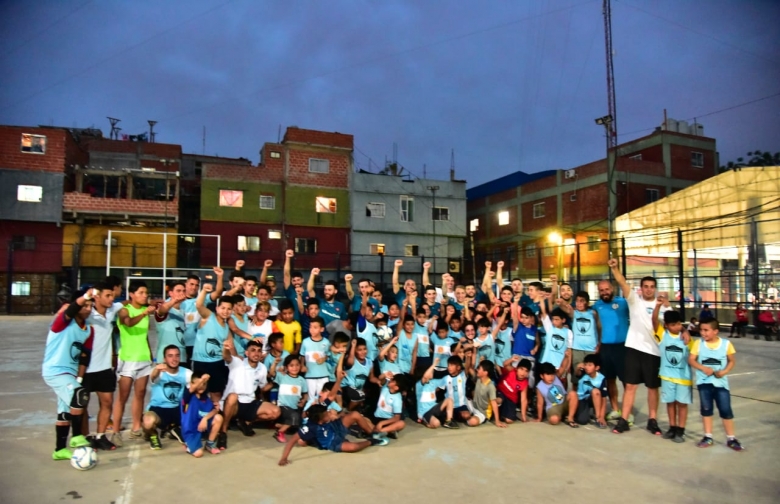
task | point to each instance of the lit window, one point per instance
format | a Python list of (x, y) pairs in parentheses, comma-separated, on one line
[(20, 289), (267, 202), (228, 198), (275, 155), (30, 193), (594, 243), (697, 159), (474, 225), (376, 249), (319, 165), (34, 144), (538, 210), (549, 250), (411, 250), (375, 210), (305, 246), (441, 213), (651, 195), (248, 243), (569, 244), (530, 250), (503, 218), (407, 209), (274, 234), (325, 205)]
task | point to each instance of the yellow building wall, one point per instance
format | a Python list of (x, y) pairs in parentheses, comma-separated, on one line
[(131, 250)]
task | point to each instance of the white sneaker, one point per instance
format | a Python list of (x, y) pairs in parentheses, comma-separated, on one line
[(117, 439)]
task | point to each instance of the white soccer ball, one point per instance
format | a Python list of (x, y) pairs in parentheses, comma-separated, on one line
[(84, 458), (384, 333)]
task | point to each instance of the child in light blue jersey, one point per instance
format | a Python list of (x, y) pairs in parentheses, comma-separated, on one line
[(586, 331), (168, 383), (330, 396), (169, 321), (388, 358), (337, 352), (274, 361), (293, 393), (314, 354), (407, 345), (456, 326), (675, 373), (557, 341), (432, 413), (502, 342), (550, 395), (423, 327), (483, 344), (239, 324), (442, 348), (591, 393), (455, 388), (359, 370), (390, 407)]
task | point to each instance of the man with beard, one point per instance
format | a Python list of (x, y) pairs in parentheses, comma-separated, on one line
[(613, 314), (330, 308)]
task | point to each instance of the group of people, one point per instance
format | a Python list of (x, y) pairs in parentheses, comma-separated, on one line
[(230, 355)]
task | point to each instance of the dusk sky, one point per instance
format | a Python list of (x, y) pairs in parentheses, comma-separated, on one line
[(510, 85)]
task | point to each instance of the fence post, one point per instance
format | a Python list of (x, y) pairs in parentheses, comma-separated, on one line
[(624, 266), (579, 269), (681, 272), (9, 278), (539, 262), (382, 272)]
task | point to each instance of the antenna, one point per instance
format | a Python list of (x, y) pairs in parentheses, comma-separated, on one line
[(452, 165), (279, 135), (151, 130), (425, 175), (114, 130), (204, 140)]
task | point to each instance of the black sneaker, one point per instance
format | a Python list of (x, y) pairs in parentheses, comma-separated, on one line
[(392, 435), (103, 443), (245, 428), (652, 427), (154, 442), (222, 441), (734, 444), (671, 433), (621, 426), (449, 424), (176, 434)]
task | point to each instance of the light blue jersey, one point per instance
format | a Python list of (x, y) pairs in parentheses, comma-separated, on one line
[(455, 387), (556, 342), (587, 383), (358, 373), (191, 321), (717, 359), (239, 342), (405, 348), (442, 349), (456, 335), (63, 348), (171, 332), (426, 395), (332, 363), (168, 389), (291, 390), (369, 335), (503, 347), (311, 351), (674, 359), (389, 404), (585, 331), (209, 340), (423, 340), (386, 365), (485, 349)]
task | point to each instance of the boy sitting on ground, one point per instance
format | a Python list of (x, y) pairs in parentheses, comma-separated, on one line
[(591, 393)]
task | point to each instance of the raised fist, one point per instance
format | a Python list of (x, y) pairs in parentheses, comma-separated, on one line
[(289, 253), (399, 263), (554, 278), (348, 277), (218, 271), (268, 263), (612, 263), (315, 271), (150, 309), (208, 287), (427, 265), (240, 263), (500, 264), (488, 264)]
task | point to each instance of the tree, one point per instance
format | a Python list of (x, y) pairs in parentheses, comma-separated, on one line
[(755, 158)]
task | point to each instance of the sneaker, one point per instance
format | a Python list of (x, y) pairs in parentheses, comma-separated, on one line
[(77, 441), (279, 436), (652, 427), (136, 434), (63, 454), (630, 420), (705, 442), (671, 433), (614, 415), (679, 437), (449, 424), (379, 441), (222, 441), (392, 435), (379, 435), (116, 439), (245, 428), (621, 426), (102, 443), (734, 444), (176, 434), (154, 442), (211, 446)]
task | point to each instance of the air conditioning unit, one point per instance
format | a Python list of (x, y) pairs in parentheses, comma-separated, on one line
[(113, 242), (454, 267), (567, 174)]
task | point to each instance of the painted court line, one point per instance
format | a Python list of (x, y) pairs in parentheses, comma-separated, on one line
[(127, 484)]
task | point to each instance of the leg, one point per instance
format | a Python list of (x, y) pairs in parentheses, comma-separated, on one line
[(612, 391), (448, 406), (599, 405), (104, 413), (434, 423), (652, 402), (149, 423), (574, 400), (628, 400), (723, 402), (268, 412), (125, 382), (682, 415), (216, 426), (355, 418), (671, 412), (137, 407), (351, 447), (229, 410)]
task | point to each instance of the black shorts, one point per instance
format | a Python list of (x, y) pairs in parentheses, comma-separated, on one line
[(100, 381), (247, 412), (218, 374), (642, 368), (582, 415), (508, 409), (437, 412), (169, 417), (457, 412), (353, 394), (289, 416), (613, 360)]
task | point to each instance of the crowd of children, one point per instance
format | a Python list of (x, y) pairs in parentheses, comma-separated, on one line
[(316, 371)]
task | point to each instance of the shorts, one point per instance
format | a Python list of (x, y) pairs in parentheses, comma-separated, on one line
[(577, 357), (613, 360), (218, 374), (559, 410), (194, 440), (437, 412), (63, 385), (133, 370), (709, 393), (507, 410), (582, 415), (440, 373), (315, 385), (641, 368), (166, 417), (289, 416), (247, 412), (675, 392), (339, 436), (456, 413), (100, 381), (353, 394), (480, 416)]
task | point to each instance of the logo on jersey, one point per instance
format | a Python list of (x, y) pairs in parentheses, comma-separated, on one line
[(711, 361), (555, 395), (75, 351), (586, 386), (674, 355), (557, 342), (294, 389), (615, 306), (213, 347), (172, 391), (583, 325)]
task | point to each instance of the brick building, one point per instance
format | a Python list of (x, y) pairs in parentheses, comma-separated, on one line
[(556, 221)]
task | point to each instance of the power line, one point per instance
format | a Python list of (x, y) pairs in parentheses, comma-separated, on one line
[(47, 28)]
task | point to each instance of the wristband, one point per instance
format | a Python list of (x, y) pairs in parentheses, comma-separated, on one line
[(79, 379)]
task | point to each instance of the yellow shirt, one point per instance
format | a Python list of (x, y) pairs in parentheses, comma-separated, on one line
[(696, 345), (659, 337), (292, 334)]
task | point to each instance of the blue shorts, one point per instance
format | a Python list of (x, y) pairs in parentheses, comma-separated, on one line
[(339, 436), (709, 394), (674, 392), (63, 385), (194, 440)]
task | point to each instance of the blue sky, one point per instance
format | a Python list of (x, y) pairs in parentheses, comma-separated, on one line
[(508, 84)]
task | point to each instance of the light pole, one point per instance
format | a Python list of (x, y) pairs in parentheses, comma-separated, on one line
[(607, 121), (433, 190)]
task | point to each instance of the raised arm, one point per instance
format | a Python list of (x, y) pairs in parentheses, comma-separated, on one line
[(428, 375), (200, 303), (195, 384), (426, 280), (396, 266), (218, 285), (659, 302), (128, 321), (299, 299), (486, 277), (386, 348), (619, 278), (556, 289), (499, 275), (351, 357), (348, 286), (264, 274), (286, 278), (228, 350), (310, 283)]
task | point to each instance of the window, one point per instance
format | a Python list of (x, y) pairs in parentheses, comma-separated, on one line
[(274, 234), (376, 249), (24, 242), (305, 246), (573, 197), (34, 144), (20, 289), (651, 195), (325, 205), (407, 209), (249, 244), (411, 250), (636, 157), (375, 210), (549, 249), (474, 225), (29, 193), (530, 250), (275, 155), (441, 213), (594, 243), (319, 165), (697, 159), (503, 218), (538, 210), (267, 202), (228, 198)]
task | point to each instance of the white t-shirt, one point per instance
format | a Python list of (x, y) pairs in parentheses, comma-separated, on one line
[(640, 329), (101, 358), (262, 331), (244, 379)]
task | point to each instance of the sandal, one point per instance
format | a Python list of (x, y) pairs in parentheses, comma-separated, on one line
[(601, 425), (572, 424)]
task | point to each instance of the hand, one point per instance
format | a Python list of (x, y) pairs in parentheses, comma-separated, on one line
[(205, 377), (488, 265), (612, 263), (202, 425), (289, 253), (278, 359), (240, 264), (499, 423), (492, 274), (179, 297), (299, 289), (342, 374), (426, 265), (533, 351), (348, 277), (208, 288), (283, 462), (353, 343), (389, 375), (218, 271), (398, 263), (554, 278), (149, 310), (719, 374), (315, 271), (660, 300), (268, 263), (515, 358), (686, 336), (228, 344), (161, 367), (500, 264), (708, 371)]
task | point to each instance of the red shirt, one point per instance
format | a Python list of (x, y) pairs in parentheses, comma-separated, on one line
[(742, 315), (510, 386)]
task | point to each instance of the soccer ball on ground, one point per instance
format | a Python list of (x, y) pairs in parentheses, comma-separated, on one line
[(84, 458)]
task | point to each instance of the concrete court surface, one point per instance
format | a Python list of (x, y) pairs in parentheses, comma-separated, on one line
[(524, 463)]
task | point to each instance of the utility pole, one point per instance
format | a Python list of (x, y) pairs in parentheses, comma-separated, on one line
[(433, 190), (611, 125)]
